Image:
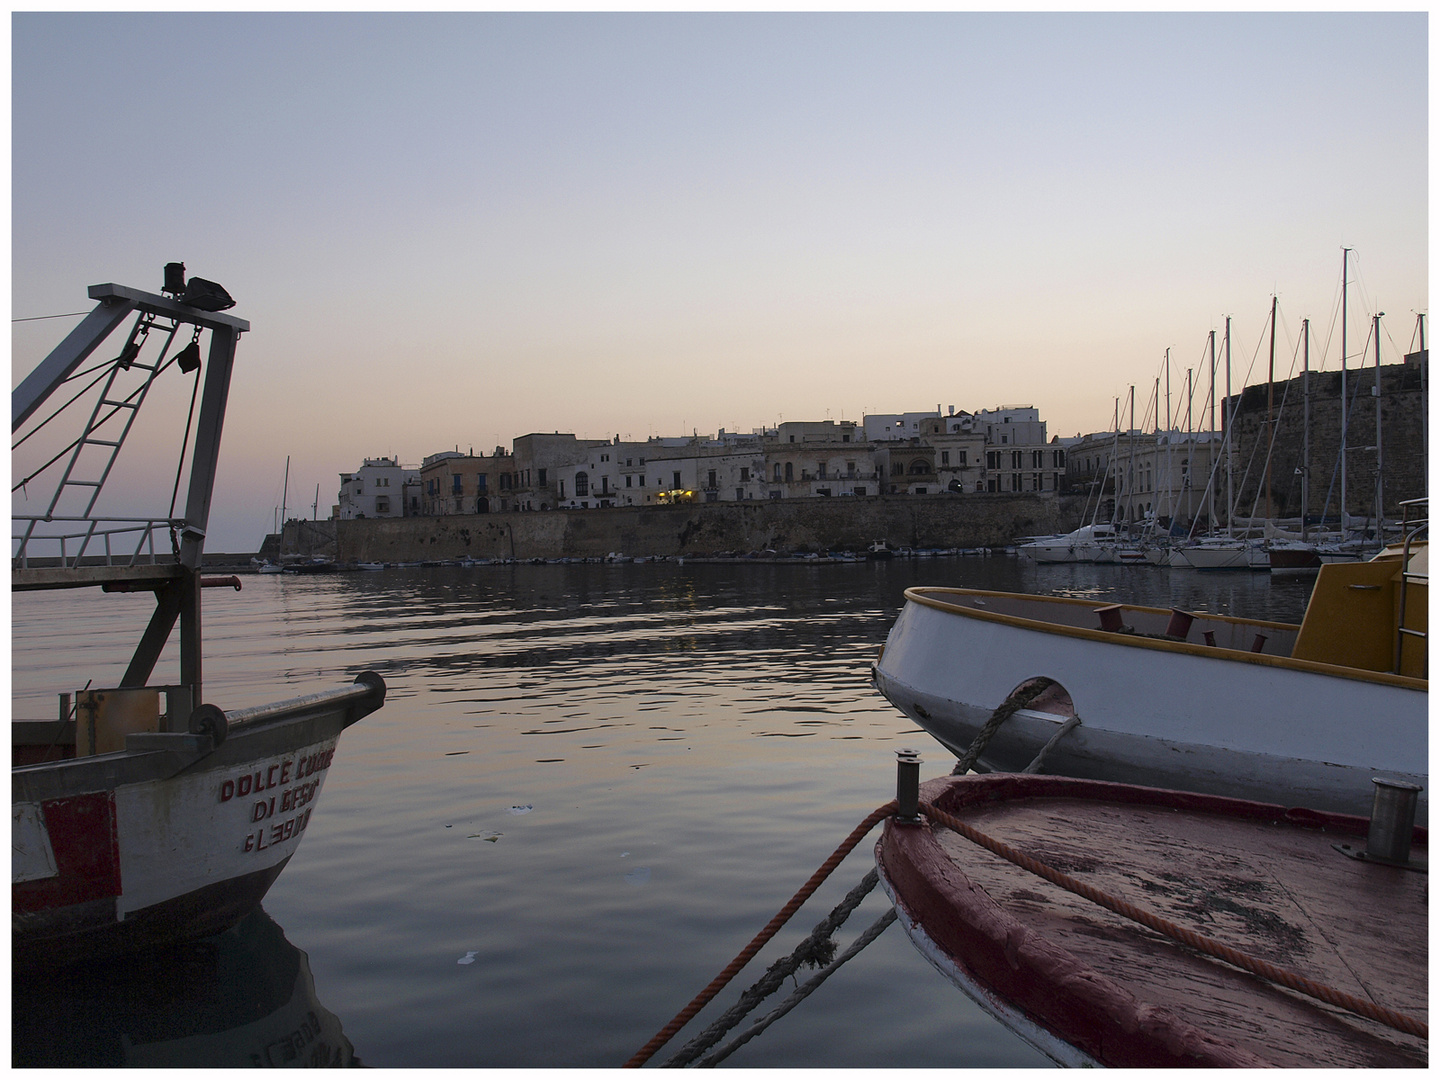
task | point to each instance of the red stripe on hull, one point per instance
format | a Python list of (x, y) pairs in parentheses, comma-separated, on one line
[(87, 855)]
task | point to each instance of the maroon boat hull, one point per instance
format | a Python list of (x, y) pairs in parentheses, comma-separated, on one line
[(1047, 955)]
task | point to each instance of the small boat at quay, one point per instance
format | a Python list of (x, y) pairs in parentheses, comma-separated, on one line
[(1302, 714), (143, 815), (1123, 926)]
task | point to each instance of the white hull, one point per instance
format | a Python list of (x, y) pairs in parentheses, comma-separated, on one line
[(1226, 557), (1221, 720), (173, 837)]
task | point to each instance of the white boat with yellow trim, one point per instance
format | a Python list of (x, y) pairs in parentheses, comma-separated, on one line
[(1305, 715)]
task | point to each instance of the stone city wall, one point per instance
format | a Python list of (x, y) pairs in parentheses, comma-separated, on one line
[(789, 525)]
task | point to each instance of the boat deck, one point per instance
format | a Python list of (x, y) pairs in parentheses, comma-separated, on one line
[(1275, 891)]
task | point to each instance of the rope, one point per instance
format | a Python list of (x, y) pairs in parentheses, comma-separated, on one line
[(1065, 729), (1196, 941), (686, 1014), (1020, 697), (817, 949), (873, 931)]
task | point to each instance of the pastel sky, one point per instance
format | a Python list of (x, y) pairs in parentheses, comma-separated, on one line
[(452, 229)]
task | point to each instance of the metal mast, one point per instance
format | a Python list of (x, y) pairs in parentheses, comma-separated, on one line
[(1305, 459), (1379, 455), (1344, 394)]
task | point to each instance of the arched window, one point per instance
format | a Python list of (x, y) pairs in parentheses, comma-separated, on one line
[(582, 484), (789, 471)]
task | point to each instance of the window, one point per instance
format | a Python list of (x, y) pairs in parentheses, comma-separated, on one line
[(562, 489), (382, 505), (710, 479), (582, 484), (992, 459), (480, 479), (744, 476), (961, 462), (1039, 479), (642, 479), (542, 477), (1015, 456), (821, 470), (455, 486), (944, 457), (1015, 481), (789, 471), (676, 475), (859, 490), (1004, 438), (777, 476), (739, 494), (1036, 457), (628, 478)]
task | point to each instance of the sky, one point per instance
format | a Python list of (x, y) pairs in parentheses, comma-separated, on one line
[(449, 230)]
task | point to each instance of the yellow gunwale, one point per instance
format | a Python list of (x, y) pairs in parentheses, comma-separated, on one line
[(916, 594)]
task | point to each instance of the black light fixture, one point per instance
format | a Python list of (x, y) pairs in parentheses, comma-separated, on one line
[(188, 358), (174, 279), (206, 295)]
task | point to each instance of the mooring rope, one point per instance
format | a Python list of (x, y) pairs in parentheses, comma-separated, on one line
[(874, 930), (685, 1015), (1019, 698), (817, 949), (1196, 941)]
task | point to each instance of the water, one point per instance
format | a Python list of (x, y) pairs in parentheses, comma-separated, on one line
[(589, 787)]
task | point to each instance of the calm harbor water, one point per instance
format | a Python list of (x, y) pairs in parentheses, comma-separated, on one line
[(589, 787)]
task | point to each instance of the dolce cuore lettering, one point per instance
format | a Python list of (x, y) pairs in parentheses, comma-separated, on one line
[(276, 775)]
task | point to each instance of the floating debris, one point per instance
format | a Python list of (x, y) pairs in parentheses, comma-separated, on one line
[(494, 838), (518, 810), (468, 958)]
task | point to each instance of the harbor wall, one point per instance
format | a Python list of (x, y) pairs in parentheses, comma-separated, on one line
[(793, 525)]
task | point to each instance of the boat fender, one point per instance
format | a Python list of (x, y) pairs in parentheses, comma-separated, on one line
[(209, 720)]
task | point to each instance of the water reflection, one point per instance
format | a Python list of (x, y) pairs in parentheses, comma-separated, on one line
[(241, 999)]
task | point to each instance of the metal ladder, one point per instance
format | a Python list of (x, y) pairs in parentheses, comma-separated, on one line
[(1411, 528), (109, 406)]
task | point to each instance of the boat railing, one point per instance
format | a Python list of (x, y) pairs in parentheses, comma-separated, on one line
[(1415, 524), (97, 541)]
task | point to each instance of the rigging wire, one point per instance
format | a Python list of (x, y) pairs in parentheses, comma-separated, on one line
[(37, 318)]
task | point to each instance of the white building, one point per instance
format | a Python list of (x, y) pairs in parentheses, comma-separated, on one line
[(376, 490)]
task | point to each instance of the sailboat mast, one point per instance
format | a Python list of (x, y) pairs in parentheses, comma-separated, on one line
[(1270, 411), (1229, 434), (1379, 456), (285, 491), (1344, 394), (1130, 483), (1189, 443), (1305, 457), (1424, 396), (1210, 457), (1169, 447)]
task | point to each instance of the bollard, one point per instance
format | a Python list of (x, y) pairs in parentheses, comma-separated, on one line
[(1110, 620), (907, 787), (1259, 643), (1179, 626), (1392, 820)]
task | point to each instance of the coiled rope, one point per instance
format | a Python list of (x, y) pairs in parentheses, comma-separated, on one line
[(1196, 941), (685, 1015)]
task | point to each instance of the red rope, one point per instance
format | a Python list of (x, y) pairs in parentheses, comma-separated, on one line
[(1199, 942), (685, 1015)]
